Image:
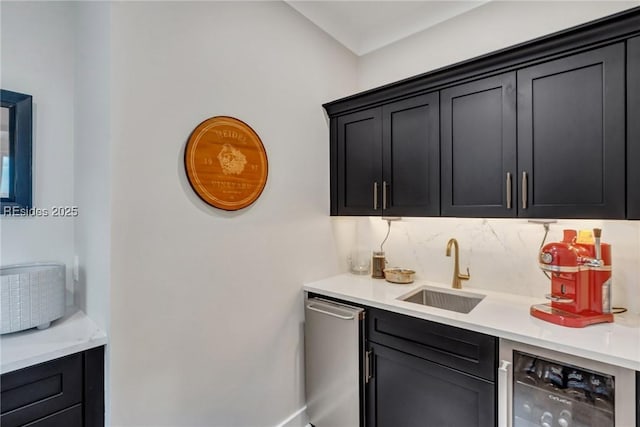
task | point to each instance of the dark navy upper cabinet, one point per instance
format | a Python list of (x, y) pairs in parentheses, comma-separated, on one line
[(479, 148), (386, 160), (545, 129), (411, 157), (358, 163), (571, 136), (633, 128), (559, 154)]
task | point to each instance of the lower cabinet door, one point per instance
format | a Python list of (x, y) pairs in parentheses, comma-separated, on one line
[(408, 391), (70, 417), (37, 391)]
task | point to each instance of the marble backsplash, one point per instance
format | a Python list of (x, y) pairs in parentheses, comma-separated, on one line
[(501, 254)]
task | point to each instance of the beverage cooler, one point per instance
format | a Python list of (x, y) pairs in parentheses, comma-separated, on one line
[(540, 387)]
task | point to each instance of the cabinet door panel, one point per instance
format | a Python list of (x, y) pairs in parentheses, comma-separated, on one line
[(408, 391), (359, 157), (34, 392), (571, 136), (479, 147), (457, 348), (633, 129), (411, 156), (71, 417)]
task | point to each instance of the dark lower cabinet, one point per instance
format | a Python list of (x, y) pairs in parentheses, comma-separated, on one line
[(63, 392), (633, 128), (571, 136), (428, 374), (408, 391), (70, 417)]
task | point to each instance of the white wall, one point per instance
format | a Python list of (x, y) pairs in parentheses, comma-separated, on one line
[(92, 157), (37, 58), (92, 164), (493, 26), (206, 308)]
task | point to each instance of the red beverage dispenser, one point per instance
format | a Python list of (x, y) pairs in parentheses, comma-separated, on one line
[(580, 282)]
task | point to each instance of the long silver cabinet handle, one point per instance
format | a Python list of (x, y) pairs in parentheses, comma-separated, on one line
[(524, 190), (367, 366), (503, 394), (508, 190), (329, 313), (375, 195), (384, 194)]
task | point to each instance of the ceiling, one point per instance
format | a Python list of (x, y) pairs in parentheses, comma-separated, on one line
[(364, 26)]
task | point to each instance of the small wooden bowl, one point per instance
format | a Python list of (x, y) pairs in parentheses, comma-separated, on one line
[(399, 275)]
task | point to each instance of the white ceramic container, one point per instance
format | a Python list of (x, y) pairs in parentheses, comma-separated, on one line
[(31, 295)]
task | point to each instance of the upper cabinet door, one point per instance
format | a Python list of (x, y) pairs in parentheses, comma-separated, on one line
[(478, 136), (633, 129), (358, 156), (411, 157), (571, 136)]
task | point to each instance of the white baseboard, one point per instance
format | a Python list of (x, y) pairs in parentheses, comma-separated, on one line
[(297, 419)]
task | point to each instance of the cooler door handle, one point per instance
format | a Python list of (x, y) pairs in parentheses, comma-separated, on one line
[(327, 310), (504, 398)]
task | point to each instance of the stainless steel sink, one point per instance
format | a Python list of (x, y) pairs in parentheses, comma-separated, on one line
[(459, 301)]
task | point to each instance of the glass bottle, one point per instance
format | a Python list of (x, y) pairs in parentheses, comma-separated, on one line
[(378, 265)]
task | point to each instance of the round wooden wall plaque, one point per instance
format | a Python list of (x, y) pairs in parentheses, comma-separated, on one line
[(226, 163)]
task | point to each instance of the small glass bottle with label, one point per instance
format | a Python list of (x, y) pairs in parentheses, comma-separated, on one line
[(378, 265)]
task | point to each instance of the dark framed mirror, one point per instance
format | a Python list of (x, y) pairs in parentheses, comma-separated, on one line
[(15, 151)]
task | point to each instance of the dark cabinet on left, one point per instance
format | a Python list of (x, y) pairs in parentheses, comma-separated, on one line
[(68, 391), (385, 160)]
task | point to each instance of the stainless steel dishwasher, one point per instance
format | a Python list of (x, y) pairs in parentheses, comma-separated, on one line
[(334, 363)]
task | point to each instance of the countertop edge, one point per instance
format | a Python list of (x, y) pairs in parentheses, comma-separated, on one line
[(73, 333), (47, 357)]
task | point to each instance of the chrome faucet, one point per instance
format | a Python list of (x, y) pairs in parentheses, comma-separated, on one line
[(457, 277)]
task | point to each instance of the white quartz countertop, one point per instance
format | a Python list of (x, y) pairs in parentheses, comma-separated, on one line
[(498, 314), (73, 333)]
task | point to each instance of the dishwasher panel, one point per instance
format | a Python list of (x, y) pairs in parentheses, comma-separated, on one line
[(334, 344)]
